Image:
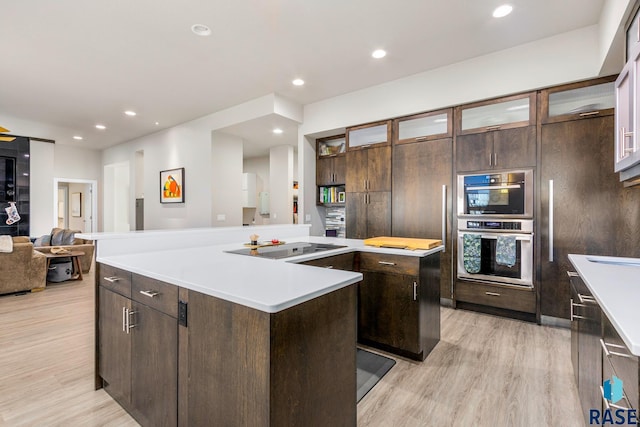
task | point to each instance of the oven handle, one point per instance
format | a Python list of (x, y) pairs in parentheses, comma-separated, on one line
[(521, 237), (494, 187)]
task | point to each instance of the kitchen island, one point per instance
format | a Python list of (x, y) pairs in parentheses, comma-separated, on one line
[(195, 335)]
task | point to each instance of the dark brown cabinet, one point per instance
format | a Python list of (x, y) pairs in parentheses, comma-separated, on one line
[(422, 197), (586, 354), (338, 262), (399, 303), (114, 346), (368, 214), (497, 149), (619, 361), (578, 187), (369, 170), (368, 187), (331, 170), (138, 344)]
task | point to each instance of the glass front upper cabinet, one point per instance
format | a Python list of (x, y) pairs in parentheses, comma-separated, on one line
[(504, 113), (367, 135), (578, 100), (423, 127)]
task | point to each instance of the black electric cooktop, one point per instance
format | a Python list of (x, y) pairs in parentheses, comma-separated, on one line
[(287, 250)]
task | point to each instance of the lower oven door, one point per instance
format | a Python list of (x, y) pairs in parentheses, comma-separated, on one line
[(487, 266)]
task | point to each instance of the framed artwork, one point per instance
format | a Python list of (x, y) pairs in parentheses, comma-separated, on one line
[(172, 186), (76, 204)]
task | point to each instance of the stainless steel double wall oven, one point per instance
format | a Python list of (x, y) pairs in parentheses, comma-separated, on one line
[(495, 227)]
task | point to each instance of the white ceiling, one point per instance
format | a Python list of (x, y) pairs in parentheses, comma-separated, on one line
[(76, 63)]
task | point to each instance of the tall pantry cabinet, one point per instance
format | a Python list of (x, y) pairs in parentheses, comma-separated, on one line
[(368, 181), (422, 193), (583, 208)]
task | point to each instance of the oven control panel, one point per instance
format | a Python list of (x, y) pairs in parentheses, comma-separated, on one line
[(494, 225)]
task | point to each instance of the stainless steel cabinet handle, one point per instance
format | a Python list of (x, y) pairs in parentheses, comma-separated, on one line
[(489, 128), (613, 353), (493, 294), (495, 159), (112, 279), (586, 299), (129, 326), (421, 138), (124, 321), (572, 314), (572, 274), (386, 263), (415, 291), (590, 113), (490, 159), (150, 294), (329, 266), (550, 220), (444, 216), (609, 405)]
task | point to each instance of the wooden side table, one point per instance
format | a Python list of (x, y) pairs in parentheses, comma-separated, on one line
[(75, 261)]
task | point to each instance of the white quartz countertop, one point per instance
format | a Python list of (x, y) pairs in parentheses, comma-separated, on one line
[(264, 284), (615, 284)]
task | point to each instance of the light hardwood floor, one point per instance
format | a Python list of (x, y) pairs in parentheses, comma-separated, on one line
[(486, 371)]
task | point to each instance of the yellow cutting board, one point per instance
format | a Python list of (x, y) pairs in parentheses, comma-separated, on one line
[(402, 243)]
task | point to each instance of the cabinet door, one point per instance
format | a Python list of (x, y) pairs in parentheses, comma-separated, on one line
[(474, 152), (114, 352), (577, 156), (356, 174), (378, 222), (339, 164), (625, 124), (324, 171), (379, 169), (154, 373), (514, 148), (388, 312), (420, 171), (356, 215)]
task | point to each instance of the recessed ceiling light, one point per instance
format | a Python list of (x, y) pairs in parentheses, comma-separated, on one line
[(101, 127), (201, 30), (277, 131), (77, 137), (130, 113), (502, 11), (379, 53), (157, 123), (298, 82)]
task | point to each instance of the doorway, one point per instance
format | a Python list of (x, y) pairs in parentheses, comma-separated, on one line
[(75, 204)]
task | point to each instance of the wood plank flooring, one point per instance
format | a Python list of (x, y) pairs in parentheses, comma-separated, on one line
[(486, 371)]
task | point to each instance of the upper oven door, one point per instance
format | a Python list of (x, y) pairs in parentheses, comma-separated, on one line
[(506, 194)]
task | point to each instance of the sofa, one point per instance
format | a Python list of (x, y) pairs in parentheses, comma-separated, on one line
[(65, 238), (23, 269)]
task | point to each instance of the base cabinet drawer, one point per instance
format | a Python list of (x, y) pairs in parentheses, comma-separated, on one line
[(497, 296), (396, 264), (115, 279), (338, 262)]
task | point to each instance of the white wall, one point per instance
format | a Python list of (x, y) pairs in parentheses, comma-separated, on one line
[(259, 166), (226, 180), (281, 182), (78, 223)]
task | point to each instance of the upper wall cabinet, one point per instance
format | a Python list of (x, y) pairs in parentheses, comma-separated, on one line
[(633, 34), (627, 145), (578, 100), (365, 136), (423, 127), (503, 113)]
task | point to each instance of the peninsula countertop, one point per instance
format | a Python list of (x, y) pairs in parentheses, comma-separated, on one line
[(615, 284), (264, 284)]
